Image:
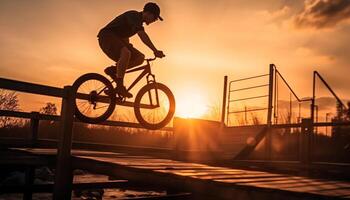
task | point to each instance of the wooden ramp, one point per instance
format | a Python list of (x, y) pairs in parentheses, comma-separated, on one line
[(239, 142), (208, 182), (207, 140)]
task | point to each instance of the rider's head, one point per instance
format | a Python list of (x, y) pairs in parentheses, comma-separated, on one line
[(151, 12)]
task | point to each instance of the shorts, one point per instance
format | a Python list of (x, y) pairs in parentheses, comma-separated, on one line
[(111, 45)]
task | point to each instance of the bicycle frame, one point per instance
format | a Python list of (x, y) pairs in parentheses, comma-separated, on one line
[(150, 78), (146, 71)]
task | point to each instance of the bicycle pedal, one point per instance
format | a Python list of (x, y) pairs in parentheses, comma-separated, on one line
[(120, 99)]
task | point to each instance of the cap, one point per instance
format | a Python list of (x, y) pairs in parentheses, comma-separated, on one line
[(154, 9)]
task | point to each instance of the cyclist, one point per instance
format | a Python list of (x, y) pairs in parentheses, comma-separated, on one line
[(114, 42)]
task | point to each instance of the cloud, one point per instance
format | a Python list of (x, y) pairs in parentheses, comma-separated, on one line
[(323, 13)]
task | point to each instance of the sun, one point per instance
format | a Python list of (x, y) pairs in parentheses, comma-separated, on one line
[(191, 105)]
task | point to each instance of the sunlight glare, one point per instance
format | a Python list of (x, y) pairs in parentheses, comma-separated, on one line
[(191, 105)]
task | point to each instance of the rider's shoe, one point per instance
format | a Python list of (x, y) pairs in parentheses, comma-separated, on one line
[(109, 92), (112, 72), (121, 90)]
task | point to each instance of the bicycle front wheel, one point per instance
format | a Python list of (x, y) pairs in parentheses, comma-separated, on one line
[(154, 106), (95, 98)]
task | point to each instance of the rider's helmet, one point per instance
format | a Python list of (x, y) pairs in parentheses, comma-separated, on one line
[(154, 9)]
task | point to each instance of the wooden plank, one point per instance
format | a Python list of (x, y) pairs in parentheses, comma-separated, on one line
[(27, 115), (305, 185), (22, 86), (180, 196), (201, 178), (45, 188)]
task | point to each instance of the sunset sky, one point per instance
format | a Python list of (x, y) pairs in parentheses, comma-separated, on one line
[(54, 42)]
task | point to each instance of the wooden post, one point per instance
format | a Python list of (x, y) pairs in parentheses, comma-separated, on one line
[(304, 140), (268, 141), (29, 180), (64, 175), (34, 129)]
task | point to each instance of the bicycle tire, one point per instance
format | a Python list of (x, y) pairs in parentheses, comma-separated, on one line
[(137, 106), (111, 96)]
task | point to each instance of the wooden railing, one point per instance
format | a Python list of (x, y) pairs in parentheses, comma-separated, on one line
[(63, 177)]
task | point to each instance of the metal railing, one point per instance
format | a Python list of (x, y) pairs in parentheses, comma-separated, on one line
[(313, 105), (232, 100), (273, 97), (277, 76), (303, 125)]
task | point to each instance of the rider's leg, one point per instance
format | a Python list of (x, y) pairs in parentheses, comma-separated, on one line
[(137, 58), (125, 55)]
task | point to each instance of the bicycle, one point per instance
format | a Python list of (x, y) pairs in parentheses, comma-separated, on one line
[(154, 104)]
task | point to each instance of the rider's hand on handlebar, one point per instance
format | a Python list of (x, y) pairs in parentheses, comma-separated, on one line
[(159, 54)]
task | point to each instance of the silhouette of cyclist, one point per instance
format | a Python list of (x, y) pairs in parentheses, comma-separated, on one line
[(114, 41)]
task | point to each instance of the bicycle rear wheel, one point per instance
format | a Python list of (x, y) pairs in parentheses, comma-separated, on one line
[(154, 106), (92, 103)]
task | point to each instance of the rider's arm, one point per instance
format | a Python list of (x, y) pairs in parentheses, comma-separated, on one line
[(146, 40)]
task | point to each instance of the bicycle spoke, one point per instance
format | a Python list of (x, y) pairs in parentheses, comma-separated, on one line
[(101, 107)]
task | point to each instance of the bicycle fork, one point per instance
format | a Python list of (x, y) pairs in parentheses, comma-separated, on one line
[(152, 79)]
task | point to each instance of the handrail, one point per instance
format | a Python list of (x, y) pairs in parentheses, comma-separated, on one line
[(39, 89), (258, 76), (22, 86), (255, 97), (40, 116), (248, 88), (287, 84), (329, 88), (251, 110), (315, 124)]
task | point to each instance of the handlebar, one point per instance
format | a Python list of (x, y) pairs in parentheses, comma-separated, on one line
[(151, 59)]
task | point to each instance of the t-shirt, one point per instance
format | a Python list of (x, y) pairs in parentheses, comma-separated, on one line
[(126, 24)]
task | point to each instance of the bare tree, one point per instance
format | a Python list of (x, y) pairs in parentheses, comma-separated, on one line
[(49, 109), (9, 101)]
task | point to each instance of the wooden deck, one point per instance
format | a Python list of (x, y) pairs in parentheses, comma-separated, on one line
[(203, 180)]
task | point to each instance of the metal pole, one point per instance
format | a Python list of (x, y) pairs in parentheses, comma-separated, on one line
[(299, 115), (63, 175), (228, 104), (327, 114), (313, 97), (275, 100), (245, 115), (316, 132), (304, 140), (290, 108), (224, 96), (269, 113)]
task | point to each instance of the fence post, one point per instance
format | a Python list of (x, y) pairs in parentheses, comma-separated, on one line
[(29, 180), (224, 103), (64, 174), (304, 140), (268, 141), (34, 129)]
